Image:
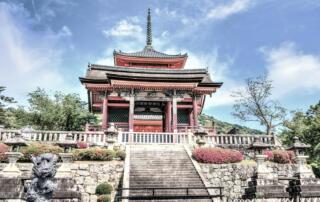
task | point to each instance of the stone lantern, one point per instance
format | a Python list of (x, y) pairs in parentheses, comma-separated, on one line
[(263, 185), (112, 134), (301, 168), (200, 133), (68, 143), (258, 147), (15, 143)]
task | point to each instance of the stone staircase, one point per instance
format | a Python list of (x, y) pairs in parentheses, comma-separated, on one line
[(163, 166)]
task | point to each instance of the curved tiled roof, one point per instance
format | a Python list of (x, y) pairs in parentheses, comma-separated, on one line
[(146, 70), (149, 52), (102, 74)]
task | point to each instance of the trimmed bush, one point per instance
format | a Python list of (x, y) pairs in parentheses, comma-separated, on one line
[(104, 198), (104, 188), (82, 145), (216, 155), (280, 156), (93, 154), (121, 154), (37, 149), (3, 149)]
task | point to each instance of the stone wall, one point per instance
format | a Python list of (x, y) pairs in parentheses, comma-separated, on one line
[(234, 177), (87, 175)]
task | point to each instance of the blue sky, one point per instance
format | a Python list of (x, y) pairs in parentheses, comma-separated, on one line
[(49, 43)]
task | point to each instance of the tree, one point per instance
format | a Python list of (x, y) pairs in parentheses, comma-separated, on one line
[(3, 101), (305, 125), (254, 103), (62, 112)]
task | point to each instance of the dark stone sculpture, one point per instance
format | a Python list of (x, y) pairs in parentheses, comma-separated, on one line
[(42, 185)]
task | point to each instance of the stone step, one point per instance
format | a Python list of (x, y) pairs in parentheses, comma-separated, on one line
[(189, 200), (179, 166), (169, 192), (156, 170), (157, 178), (146, 152), (164, 176), (156, 157), (166, 184), (153, 160), (163, 166)]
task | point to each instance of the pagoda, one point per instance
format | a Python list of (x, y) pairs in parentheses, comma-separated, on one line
[(148, 91)]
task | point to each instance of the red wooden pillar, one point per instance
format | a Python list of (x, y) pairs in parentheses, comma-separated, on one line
[(131, 113), (195, 111), (105, 113), (168, 116), (174, 114), (191, 121)]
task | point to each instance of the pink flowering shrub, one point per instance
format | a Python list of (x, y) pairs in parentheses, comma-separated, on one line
[(269, 155), (82, 145), (3, 149), (280, 156), (216, 155)]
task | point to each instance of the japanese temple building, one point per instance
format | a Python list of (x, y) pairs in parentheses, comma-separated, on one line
[(148, 91)]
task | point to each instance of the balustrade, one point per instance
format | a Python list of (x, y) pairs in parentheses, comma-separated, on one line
[(237, 139), (153, 137), (99, 137)]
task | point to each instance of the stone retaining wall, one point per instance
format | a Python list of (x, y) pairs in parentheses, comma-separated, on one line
[(234, 177), (87, 175)]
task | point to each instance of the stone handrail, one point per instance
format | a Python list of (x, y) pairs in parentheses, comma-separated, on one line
[(55, 136), (237, 139), (99, 137), (6, 134), (153, 137)]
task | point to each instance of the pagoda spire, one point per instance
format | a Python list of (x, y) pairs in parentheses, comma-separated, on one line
[(149, 30)]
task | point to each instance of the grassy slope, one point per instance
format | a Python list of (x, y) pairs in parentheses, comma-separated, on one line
[(225, 127)]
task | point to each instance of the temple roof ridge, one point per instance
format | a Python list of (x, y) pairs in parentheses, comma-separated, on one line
[(145, 69)]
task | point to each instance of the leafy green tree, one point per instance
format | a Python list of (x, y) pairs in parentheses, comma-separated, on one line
[(254, 103), (62, 112), (4, 100), (305, 125), (16, 117)]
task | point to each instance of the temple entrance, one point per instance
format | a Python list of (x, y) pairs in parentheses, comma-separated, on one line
[(149, 116)]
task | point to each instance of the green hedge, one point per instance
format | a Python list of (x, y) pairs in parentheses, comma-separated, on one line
[(104, 188), (37, 149), (93, 154)]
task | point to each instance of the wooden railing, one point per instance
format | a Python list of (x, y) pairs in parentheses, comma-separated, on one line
[(124, 137)]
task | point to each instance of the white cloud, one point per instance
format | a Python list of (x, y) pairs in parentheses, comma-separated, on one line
[(65, 31), (125, 28), (223, 11), (292, 70), (219, 70), (165, 12), (28, 58)]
